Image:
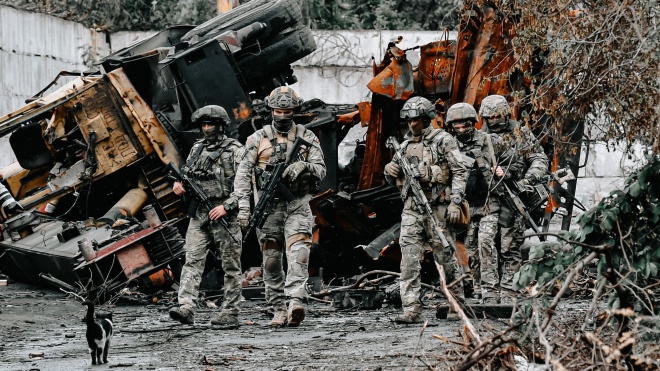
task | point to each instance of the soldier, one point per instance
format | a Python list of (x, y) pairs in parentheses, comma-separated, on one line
[(212, 164), (436, 155), (290, 223), (484, 175), (496, 115)]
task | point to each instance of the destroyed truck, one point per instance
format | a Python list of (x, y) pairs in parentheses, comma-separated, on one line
[(96, 208), (91, 155)]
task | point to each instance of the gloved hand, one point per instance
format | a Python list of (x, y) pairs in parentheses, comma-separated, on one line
[(393, 169), (453, 213), (243, 217), (294, 170)]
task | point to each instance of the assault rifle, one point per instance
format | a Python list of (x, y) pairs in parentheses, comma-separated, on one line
[(411, 174), (511, 198), (198, 193), (272, 187)]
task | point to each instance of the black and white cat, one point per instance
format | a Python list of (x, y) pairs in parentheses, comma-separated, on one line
[(99, 332)]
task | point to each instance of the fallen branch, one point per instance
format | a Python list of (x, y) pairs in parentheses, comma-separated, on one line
[(453, 304), (598, 248), (567, 282), (377, 280), (412, 361)]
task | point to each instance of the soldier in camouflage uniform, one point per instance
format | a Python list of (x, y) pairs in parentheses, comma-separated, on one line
[(496, 115), (484, 174), (289, 225), (212, 164), (442, 176)]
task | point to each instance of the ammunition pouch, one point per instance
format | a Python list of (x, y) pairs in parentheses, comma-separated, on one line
[(507, 217)]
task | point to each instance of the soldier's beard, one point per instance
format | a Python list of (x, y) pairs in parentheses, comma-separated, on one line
[(419, 128)]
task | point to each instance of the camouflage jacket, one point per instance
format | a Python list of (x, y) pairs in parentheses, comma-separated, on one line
[(440, 149), (527, 146), (258, 151), (482, 186), (214, 167)]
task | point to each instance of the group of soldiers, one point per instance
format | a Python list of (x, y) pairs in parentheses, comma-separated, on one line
[(463, 164), (230, 173), (454, 167)]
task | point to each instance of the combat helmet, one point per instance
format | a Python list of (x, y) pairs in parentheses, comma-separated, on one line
[(462, 113), (210, 114), (417, 107), (283, 97), (494, 106)]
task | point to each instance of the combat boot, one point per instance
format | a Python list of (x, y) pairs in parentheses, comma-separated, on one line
[(296, 313), (279, 319), (408, 318), (225, 319), (183, 315)]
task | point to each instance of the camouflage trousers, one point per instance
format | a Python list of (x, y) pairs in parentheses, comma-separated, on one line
[(511, 240), (416, 235), (216, 239), (289, 225), (483, 257)]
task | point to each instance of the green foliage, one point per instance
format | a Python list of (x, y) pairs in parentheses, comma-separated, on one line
[(627, 221), (381, 14), (119, 15), (595, 62)]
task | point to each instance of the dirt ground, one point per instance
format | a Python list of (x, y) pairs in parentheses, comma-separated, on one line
[(41, 329)]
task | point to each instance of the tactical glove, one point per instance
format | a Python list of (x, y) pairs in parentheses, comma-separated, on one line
[(393, 169), (293, 171), (243, 217), (453, 213)]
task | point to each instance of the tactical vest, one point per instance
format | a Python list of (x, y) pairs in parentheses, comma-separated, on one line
[(479, 174), (425, 151), (280, 153), (213, 169)]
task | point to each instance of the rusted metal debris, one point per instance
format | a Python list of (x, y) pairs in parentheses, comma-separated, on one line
[(106, 135)]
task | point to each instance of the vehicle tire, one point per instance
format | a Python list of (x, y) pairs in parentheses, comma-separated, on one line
[(282, 50), (277, 15)]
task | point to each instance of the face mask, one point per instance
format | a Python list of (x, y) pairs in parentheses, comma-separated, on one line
[(212, 133), (466, 134), (282, 123), (496, 125)]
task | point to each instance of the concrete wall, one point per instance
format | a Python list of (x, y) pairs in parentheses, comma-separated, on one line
[(34, 48)]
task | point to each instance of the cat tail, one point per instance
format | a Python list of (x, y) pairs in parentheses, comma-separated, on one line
[(89, 318)]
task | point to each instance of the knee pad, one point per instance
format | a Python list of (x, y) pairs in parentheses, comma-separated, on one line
[(272, 260), (300, 252)]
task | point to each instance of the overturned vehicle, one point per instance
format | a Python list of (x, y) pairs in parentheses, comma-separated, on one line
[(93, 207), (97, 211)]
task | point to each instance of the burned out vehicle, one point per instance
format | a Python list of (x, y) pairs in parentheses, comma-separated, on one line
[(97, 208), (91, 155)]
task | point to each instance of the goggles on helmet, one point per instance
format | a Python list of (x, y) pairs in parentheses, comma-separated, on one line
[(411, 113)]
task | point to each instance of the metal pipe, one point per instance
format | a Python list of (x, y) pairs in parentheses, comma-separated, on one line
[(126, 207)]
